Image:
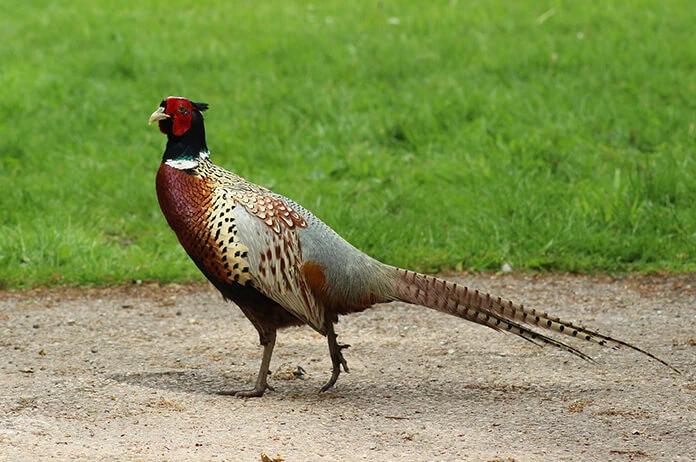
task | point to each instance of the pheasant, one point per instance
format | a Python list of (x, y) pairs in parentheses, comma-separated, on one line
[(284, 267)]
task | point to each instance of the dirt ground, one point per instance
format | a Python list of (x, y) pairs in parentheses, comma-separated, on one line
[(131, 373)]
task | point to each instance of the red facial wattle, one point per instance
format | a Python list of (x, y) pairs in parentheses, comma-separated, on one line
[(181, 112)]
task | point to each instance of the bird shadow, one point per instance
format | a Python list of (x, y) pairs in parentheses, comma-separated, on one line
[(179, 381), (200, 382), (204, 383)]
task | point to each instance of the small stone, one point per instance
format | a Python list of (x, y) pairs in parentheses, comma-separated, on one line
[(299, 372)]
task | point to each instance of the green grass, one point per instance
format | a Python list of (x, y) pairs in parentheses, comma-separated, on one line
[(432, 135)]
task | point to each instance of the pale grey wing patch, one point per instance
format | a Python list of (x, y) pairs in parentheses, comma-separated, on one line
[(275, 263), (351, 276)]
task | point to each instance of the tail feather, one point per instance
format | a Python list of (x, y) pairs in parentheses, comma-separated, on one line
[(499, 314)]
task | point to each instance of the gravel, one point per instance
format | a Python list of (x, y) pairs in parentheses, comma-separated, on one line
[(131, 373)]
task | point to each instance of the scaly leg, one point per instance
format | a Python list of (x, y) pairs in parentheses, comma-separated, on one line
[(261, 381), (337, 358)]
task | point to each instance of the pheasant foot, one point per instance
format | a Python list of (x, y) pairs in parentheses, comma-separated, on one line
[(255, 392), (337, 359)]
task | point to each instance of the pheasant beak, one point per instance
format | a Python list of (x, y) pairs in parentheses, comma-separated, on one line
[(159, 114)]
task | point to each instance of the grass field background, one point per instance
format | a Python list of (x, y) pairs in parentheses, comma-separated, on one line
[(433, 135)]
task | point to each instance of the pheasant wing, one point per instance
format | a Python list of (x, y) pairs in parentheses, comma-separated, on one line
[(256, 233)]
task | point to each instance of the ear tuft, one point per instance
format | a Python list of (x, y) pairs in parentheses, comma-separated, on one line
[(200, 106)]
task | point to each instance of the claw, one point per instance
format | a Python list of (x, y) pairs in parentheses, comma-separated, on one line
[(255, 392), (252, 393)]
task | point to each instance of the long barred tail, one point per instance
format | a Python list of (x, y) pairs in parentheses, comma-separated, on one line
[(498, 314)]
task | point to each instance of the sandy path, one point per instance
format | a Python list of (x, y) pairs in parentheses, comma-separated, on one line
[(130, 373)]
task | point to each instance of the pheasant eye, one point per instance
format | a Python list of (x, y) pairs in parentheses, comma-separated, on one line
[(182, 109)]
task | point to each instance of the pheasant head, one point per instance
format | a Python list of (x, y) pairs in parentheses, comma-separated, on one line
[(181, 120)]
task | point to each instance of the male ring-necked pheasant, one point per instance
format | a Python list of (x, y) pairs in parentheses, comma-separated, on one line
[(283, 266)]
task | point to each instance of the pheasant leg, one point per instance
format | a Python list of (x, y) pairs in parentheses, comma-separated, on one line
[(337, 359), (261, 381)]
